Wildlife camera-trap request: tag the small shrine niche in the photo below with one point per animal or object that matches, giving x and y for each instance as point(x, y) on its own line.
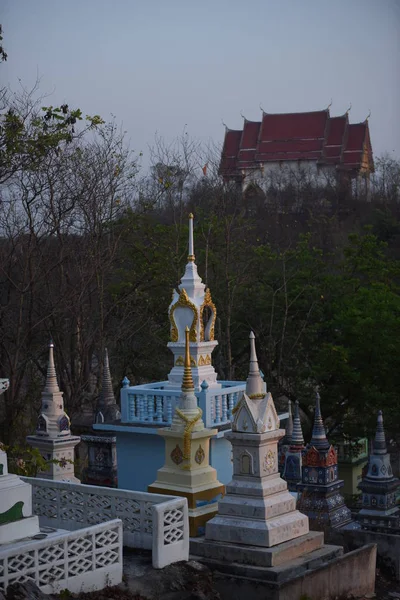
point(99, 417)
point(41, 426)
point(246, 464)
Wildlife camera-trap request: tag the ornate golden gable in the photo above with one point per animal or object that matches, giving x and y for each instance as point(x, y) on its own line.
point(207, 302)
point(184, 301)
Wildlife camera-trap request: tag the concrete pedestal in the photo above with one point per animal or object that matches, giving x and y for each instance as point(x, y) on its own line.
point(59, 449)
point(192, 478)
point(16, 519)
point(24, 528)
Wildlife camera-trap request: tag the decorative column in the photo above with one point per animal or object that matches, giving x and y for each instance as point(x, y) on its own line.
point(187, 471)
point(16, 519)
point(321, 498)
point(379, 511)
point(257, 509)
point(102, 449)
point(53, 436)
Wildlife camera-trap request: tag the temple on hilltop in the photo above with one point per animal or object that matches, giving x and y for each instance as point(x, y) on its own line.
point(147, 408)
point(327, 146)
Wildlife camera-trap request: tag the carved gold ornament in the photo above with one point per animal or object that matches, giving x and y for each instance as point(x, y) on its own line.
point(177, 455)
point(180, 362)
point(200, 455)
point(207, 302)
point(190, 423)
point(204, 360)
point(269, 461)
point(184, 301)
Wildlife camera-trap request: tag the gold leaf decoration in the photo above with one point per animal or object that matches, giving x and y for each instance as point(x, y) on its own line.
point(190, 423)
point(184, 301)
point(207, 302)
point(200, 455)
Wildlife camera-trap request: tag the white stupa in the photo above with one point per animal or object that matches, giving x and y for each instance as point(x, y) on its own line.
point(16, 519)
point(53, 436)
point(192, 307)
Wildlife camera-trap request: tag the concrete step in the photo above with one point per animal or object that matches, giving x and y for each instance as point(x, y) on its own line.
point(257, 556)
point(278, 574)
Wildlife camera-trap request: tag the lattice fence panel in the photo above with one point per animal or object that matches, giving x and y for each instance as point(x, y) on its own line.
point(173, 526)
point(148, 517)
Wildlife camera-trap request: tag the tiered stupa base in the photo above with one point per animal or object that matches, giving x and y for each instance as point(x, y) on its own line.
point(282, 555)
point(198, 484)
point(324, 506)
point(264, 516)
point(62, 451)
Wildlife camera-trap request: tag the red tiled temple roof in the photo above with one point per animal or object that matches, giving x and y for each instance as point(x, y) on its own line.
point(314, 136)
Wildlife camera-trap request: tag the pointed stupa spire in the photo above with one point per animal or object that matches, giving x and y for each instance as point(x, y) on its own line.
point(51, 385)
point(254, 383)
point(187, 381)
point(289, 425)
point(297, 433)
point(191, 256)
point(106, 409)
point(318, 439)
point(380, 441)
point(191, 282)
point(107, 393)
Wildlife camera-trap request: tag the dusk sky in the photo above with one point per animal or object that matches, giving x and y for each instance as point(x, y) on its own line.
point(158, 65)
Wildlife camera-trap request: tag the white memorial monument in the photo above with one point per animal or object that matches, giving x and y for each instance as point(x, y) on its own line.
point(16, 519)
point(53, 436)
point(258, 509)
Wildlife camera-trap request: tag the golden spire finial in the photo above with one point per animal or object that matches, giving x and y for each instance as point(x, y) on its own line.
point(187, 381)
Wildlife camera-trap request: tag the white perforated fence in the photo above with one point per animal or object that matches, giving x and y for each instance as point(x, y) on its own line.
point(72, 506)
point(84, 560)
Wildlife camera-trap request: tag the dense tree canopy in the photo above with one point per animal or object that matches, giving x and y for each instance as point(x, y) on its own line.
point(90, 251)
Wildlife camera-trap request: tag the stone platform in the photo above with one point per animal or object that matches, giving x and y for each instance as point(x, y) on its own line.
point(257, 556)
point(275, 574)
point(323, 572)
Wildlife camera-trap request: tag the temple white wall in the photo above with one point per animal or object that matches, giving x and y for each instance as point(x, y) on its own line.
point(280, 174)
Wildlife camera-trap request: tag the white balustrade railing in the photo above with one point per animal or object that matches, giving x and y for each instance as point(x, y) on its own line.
point(150, 521)
point(81, 561)
point(153, 404)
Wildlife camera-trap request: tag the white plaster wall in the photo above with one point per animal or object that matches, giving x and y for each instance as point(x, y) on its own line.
point(281, 174)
